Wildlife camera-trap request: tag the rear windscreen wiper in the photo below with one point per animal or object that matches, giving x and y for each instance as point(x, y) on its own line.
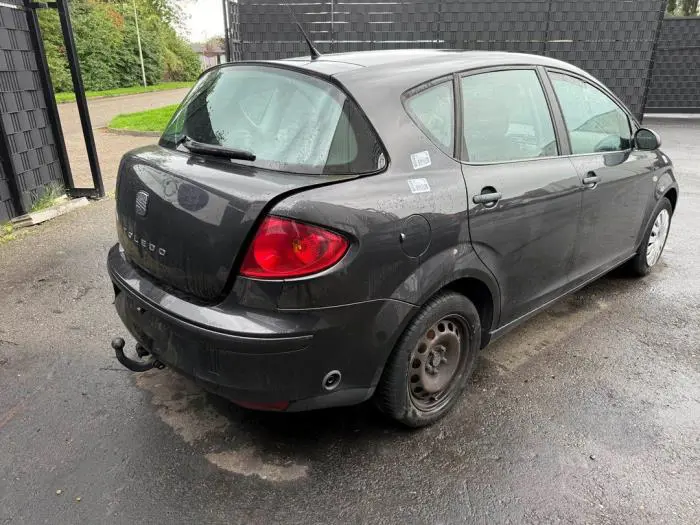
point(214, 150)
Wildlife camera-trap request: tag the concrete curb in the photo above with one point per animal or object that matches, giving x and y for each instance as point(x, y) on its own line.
point(37, 217)
point(102, 97)
point(132, 133)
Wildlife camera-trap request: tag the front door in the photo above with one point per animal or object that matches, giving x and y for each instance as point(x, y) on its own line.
point(524, 199)
point(616, 179)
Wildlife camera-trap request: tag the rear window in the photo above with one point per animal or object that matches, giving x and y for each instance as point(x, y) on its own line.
point(291, 121)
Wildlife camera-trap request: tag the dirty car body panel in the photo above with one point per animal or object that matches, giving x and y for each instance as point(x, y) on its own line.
point(409, 220)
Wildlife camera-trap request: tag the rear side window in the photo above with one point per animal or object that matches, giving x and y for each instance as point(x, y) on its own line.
point(432, 110)
point(506, 117)
point(594, 121)
point(291, 121)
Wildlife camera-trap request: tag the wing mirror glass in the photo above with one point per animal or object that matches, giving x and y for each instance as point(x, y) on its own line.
point(647, 140)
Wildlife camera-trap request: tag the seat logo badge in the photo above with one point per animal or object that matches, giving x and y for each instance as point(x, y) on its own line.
point(141, 203)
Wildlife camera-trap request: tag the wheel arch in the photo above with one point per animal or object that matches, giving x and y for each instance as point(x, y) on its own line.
point(477, 285)
point(481, 296)
point(672, 195)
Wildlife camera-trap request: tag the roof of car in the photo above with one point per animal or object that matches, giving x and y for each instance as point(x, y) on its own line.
point(415, 63)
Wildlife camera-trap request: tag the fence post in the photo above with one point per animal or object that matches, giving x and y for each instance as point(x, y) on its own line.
point(332, 26)
point(227, 31)
point(545, 44)
point(647, 86)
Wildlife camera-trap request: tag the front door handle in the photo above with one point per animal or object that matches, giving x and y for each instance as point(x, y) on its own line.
point(488, 199)
point(591, 180)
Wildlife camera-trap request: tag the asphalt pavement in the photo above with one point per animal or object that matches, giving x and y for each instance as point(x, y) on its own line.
point(589, 413)
point(110, 146)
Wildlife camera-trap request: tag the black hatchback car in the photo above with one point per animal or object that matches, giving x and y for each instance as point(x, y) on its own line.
point(315, 233)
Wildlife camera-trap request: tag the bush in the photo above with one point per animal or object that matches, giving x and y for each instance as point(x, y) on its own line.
point(58, 69)
point(55, 52)
point(181, 64)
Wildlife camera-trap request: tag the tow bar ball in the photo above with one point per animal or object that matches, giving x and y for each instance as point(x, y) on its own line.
point(133, 364)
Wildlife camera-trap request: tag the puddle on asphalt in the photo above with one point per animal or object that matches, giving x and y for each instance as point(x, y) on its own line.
point(182, 405)
point(185, 408)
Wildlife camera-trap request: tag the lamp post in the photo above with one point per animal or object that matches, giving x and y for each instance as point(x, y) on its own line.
point(138, 39)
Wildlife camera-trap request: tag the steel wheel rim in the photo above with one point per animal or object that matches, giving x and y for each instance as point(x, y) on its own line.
point(657, 237)
point(435, 363)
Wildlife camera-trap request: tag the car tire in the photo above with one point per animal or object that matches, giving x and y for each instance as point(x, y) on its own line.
point(646, 258)
point(432, 361)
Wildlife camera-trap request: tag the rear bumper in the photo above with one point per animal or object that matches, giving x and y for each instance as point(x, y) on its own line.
point(260, 356)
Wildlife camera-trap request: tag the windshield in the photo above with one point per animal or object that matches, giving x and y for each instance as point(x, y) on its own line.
point(290, 121)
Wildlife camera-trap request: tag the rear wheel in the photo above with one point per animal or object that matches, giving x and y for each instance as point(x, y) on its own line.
point(431, 364)
point(654, 240)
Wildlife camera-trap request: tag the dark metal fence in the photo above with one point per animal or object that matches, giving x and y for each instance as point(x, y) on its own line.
point(612, 40)
point(29, 153)
point(33, 153)
point(675, 84)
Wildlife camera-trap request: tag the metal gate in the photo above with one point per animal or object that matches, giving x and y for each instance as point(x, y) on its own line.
point(32, 152)
point(613, 40)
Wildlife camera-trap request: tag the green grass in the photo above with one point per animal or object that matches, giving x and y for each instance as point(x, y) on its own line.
point(7, 232)
point(70, 97)
point(48, 198)
point(150, 120)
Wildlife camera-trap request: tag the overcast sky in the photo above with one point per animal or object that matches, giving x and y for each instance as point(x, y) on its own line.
point(205, 19)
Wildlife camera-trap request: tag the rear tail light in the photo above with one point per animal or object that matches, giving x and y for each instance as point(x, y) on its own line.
point(283, 248)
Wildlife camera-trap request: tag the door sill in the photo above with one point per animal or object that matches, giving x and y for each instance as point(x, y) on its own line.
point(499, 332)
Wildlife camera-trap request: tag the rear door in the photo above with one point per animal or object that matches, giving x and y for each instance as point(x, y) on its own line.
point(616, 180)
point(524, 199)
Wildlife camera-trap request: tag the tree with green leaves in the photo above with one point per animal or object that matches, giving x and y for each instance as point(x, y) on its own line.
point(689, 7)
point(683, 7)
point(105, 36)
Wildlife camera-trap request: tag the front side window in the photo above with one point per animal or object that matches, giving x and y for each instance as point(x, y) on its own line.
point(506, 117)
point(595, 123)
point(433, 111)
point(290, 121)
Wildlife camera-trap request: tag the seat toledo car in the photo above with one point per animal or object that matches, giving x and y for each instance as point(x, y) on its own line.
point(317, 232)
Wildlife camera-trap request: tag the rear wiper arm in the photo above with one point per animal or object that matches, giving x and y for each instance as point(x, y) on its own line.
point(214, 150)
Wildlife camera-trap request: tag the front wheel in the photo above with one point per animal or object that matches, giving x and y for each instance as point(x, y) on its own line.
point(430, 366)
point(654, 240)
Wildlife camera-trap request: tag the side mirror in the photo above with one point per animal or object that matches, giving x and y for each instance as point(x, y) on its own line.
point(647, 140)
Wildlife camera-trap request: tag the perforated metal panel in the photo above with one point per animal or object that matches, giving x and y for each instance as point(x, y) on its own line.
point(612, 40)
point(234, 33)
point(7, 209)
point(675, 82)
point(24, 116)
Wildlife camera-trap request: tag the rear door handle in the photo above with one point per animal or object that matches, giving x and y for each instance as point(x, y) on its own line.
point(591, 180)
point(487, 198)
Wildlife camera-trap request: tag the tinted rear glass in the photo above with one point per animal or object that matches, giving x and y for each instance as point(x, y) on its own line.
point(291, 121)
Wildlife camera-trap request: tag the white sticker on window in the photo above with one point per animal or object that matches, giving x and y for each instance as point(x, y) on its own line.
point(418, 185)
point(420, 160)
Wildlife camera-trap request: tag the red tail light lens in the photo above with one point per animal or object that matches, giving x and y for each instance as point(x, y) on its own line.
point(283, 248)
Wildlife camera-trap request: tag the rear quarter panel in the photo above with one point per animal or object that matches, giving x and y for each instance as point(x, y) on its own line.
point(376, 210)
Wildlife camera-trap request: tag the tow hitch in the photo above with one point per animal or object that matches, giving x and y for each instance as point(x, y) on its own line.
point(132, 364)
